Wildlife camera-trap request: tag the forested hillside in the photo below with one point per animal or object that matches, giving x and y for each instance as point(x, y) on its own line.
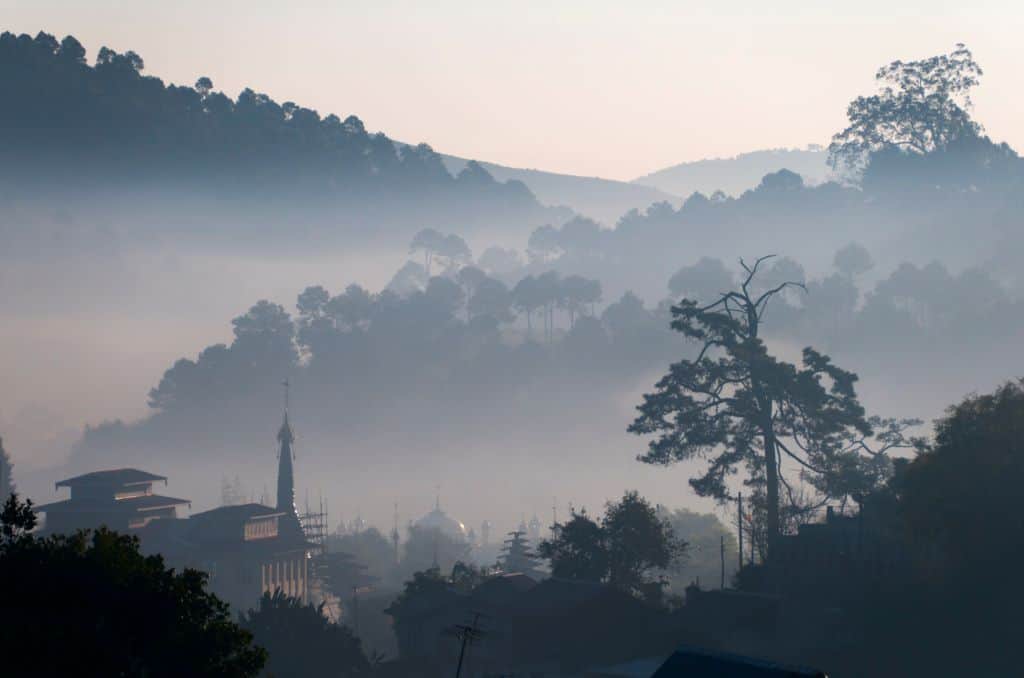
point(79, 133)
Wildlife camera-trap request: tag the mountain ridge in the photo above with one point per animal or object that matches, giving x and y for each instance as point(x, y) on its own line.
point(733, 175)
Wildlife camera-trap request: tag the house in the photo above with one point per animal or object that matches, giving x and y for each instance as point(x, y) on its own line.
point(120, 499)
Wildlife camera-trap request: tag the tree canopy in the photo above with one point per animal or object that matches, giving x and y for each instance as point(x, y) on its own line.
point(91, 601)
point(922, 106)
point(517, 556)
point(301, 640)
point(737, 405)
point(107, 126)
point(626, 549)
point(962, 490)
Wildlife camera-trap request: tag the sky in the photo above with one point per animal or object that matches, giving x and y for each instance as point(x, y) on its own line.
point(595, 88)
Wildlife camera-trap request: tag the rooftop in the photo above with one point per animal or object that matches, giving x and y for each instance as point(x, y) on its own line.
point(115, 477)
point(237, 513)
point(147, 502)
point(228, 525)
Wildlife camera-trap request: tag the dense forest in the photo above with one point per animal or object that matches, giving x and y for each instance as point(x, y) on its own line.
point(531, 359)
point(226, 159)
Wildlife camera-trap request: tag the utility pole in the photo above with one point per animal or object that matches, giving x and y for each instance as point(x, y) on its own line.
point(355, 610)
point(468, 634)
point(739, 527)
point(722, 552)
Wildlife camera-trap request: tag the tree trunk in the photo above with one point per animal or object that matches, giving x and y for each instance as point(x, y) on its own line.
point(771, 473)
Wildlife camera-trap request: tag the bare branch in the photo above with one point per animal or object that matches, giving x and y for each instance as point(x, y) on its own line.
point(796, 458)
point(762, 301)
point(752, 272)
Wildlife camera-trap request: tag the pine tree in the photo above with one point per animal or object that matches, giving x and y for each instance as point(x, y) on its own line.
point(516, 556)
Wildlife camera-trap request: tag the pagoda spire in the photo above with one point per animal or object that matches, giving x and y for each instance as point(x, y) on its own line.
point(285, 470)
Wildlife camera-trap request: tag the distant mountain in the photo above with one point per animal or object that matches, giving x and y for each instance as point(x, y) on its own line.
point(740, 173)
point(604, 200)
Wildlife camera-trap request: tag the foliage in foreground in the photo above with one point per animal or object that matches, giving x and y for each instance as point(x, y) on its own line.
point(302, 641)
point(91, 603)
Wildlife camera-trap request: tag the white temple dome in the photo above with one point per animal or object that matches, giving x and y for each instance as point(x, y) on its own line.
point(443, 523)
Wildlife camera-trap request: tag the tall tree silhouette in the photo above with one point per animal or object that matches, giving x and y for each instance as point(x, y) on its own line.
point(517, 556)
point(922, 106)
point(735, 404)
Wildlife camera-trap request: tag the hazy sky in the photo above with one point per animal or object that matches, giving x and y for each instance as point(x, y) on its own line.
point(614, 89)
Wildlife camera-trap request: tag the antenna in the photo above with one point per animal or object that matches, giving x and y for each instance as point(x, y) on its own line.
point(286, 386)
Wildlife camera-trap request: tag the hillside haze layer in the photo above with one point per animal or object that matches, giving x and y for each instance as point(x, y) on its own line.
point(602, 199)
point(740, 173)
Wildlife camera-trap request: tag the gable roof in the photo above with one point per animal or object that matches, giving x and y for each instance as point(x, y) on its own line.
point(236, 513)
point(117, 476)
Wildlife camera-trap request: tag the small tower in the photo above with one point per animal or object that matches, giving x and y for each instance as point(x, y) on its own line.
point(285, 470)
point(394, 534)
point(534, 528)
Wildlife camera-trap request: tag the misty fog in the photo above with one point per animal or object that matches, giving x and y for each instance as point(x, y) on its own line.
point(118, 265)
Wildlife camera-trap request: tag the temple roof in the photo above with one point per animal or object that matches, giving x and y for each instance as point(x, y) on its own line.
point(226, 524)
point(147, 502)
point(238, 512)
point(118, 477)
point(442, 522)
